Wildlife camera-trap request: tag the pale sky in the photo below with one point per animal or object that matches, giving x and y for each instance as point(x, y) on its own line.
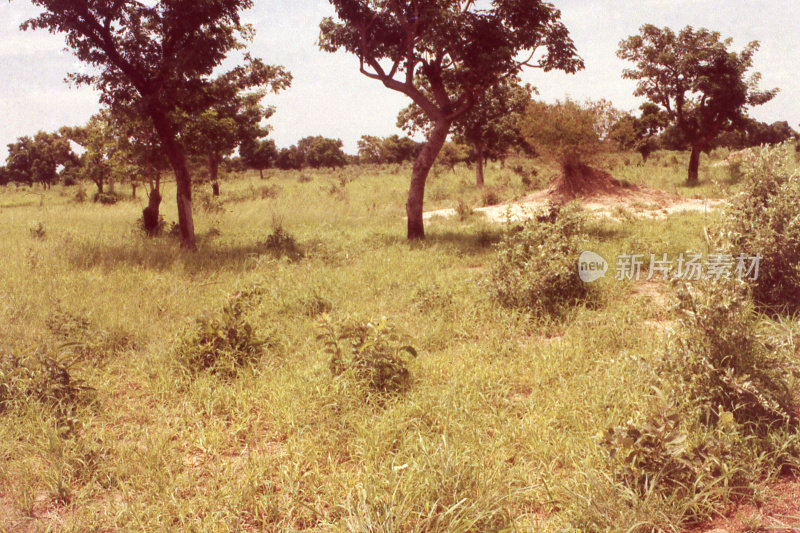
point(330, 97)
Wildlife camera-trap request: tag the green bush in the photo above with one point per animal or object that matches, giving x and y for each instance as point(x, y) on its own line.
point(106, 198)
point(727, 415)
point(763, 219)
point(536, 266)
point(281, 244)
point(373, 354)
point(720, 363)
point(222, 344)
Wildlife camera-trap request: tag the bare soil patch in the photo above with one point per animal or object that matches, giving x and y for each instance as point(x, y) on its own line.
point(600, 194)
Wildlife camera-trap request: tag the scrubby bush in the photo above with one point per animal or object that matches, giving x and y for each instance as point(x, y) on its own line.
point(372, 353)
point(536, 265)
point(106, 198)
point(719, 362)
point(763, 220)
point(44, 378)
point(723, 412)
point(224, 343)
point(37, 230)
point(281, 244)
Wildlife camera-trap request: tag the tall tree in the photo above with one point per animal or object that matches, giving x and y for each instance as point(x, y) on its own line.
point(697, 80)
point(157, 55)
point(490, 128)
point(443, 54)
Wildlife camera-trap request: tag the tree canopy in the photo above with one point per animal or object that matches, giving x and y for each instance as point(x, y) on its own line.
point(443, 54)
point(157, 56)
point(694, 77)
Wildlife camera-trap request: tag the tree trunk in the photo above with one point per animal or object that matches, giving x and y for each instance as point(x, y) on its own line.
point(694, 165)
point(261, 172)
point(150, 214)
point(177, 160)
point(133, 190)
point(419, 175)
point(479, 165)
point(99, 184)
point(213, 173)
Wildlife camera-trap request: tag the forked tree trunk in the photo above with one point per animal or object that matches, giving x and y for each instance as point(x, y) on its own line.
point(694, 165)
point(177, 160)
point(419, 175)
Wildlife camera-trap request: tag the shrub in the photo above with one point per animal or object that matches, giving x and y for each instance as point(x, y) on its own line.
point(269, 192)
point(726, 416)
point(490, 197)
point(224, 343)
point(37, 230)
point(106, 198)
point(373, 354)
point(46, 379)
point(464, 210)
point(80, 195)
point(281, 244)
point(211, 204)
point(536, 266)
point(719, 362)
point(763, 220)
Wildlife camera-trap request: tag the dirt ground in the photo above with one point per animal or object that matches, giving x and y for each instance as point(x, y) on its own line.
point(780, 512)
point(618, 204)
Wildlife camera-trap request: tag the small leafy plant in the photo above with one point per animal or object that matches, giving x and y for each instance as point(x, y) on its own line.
point(372, 353)
point(281, 244)
point(224, 343)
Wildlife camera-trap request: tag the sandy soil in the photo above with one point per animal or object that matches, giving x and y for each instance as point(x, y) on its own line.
point(619, 205)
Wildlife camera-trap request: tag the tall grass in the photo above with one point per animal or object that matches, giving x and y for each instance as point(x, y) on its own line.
point(497, 428)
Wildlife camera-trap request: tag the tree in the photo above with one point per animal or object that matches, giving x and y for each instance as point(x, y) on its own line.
point(639, 133)
point(490, 128)
point(700, 84)
point(37, 159)
point(236, 115)
point(392, 149)
point(320, 151)
point(443, 54)
point(572, 133)
point(156, 56)
point(258, 153)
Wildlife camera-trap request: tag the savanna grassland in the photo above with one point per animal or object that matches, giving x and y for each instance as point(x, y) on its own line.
point(107, 425)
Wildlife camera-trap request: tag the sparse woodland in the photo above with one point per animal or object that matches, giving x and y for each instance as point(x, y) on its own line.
point(203, 331)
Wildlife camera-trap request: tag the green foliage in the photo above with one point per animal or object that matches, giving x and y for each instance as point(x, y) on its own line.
point(536, 267)
point(567, 130)
point(106, 198)
point(371, 353)
point(721, 364)
point(45, 379)
point(224, 343)
point(762, 220)
point(281, 244)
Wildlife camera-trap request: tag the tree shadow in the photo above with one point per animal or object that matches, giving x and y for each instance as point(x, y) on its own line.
point(162, 254)
point(461, 242)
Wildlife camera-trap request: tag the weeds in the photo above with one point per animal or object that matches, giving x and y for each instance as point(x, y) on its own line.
point(222, 344)
point(536, 267)
point(373, 354)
